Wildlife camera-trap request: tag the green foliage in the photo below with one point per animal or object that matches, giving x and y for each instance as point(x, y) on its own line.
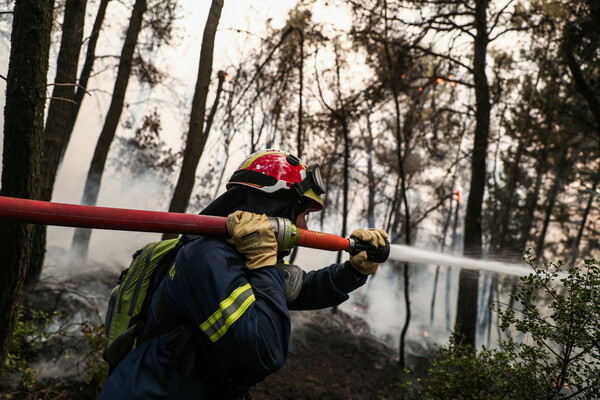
point(562, 326)
point(559, 356)
point(30, 330)
point(96, 366)
point(459, 372)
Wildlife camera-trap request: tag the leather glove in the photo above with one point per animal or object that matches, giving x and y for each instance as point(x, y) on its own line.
point(374, 237)
point(252, 235)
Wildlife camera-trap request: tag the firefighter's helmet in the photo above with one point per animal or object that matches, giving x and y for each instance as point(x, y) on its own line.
point(274, 170)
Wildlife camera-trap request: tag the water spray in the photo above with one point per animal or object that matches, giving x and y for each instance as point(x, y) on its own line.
point(411, 254)
point(288, 235)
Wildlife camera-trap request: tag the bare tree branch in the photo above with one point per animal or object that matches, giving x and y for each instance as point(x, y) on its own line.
point(444, 56)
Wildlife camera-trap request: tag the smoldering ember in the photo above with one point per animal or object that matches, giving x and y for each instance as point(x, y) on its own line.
point(428, 172)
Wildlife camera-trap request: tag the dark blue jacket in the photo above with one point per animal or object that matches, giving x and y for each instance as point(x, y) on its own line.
point(243, 318)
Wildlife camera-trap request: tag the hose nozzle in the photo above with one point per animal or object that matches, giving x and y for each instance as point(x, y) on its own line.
point(377, 254)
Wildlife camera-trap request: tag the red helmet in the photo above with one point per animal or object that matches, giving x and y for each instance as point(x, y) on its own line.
point(273, 170)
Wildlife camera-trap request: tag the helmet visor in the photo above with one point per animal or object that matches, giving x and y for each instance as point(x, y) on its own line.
point(314, 174)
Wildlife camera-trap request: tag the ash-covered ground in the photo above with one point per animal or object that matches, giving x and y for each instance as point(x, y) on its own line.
point(333, 356)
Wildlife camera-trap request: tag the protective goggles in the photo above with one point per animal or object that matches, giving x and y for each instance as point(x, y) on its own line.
point(313, 180)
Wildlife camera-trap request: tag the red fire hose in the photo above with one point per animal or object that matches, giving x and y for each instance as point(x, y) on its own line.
point(60, 214)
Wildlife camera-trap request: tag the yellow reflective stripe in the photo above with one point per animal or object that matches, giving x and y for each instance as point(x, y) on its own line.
point(249, 161)
point(253, 158)
point(232, 318)
point(230, 310)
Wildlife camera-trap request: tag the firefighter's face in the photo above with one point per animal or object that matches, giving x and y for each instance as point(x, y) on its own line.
point(301, 220)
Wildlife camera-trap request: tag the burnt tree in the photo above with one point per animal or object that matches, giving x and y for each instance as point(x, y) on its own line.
point(81, 238)
point(61, 105)
point(84, 76)
point(197, 135)
point(23, 134)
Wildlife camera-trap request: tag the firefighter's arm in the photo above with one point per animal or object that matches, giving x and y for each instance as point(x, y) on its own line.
point(255, 327)
point(330, 286)
point(241, 311)
point(326, 287)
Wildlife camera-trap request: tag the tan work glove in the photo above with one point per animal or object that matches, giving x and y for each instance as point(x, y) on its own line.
point(252, 235)
point(374, 237)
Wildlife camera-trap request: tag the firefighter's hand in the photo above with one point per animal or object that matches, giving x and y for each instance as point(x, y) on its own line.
point(252, 235)
point(375, 238)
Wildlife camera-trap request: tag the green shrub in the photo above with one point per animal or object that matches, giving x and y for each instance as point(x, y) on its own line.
point(558, 315)
point(459, 372)
point(30, 330)
point(97, 368)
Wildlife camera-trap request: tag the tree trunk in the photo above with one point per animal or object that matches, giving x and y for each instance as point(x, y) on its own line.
point(345, 186)
point(81, 238)
point(454, 243)
point(197, 136)
point(59, 109)
point(466, 317)
point(84, 76)
point(584, 218)
point(437, 267)
point(342, 116)
point(569, 42)
point(534, 196)
point(402, 176)
point(300, 138)
point(370, 174)
point(506, 205)
point(23, 136)
point(551, 201)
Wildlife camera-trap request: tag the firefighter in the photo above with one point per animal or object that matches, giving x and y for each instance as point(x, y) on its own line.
point(232, 296)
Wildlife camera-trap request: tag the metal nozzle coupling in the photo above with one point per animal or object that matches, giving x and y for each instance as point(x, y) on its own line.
point(286, 233)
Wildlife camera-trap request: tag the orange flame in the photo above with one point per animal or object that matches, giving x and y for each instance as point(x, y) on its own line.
point(456, 195)
point(555, 383)
point(439, 81)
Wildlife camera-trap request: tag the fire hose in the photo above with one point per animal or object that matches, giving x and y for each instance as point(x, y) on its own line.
point(60, 214)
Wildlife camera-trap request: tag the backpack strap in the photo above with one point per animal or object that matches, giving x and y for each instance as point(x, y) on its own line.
point(177, 333)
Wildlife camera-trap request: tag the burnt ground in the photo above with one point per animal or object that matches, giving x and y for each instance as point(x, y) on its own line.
point(332, 355)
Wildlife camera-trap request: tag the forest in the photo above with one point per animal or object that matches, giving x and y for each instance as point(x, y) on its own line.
point(468, 127)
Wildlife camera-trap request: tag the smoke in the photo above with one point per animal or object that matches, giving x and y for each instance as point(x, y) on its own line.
point(147, 191)
point(380, 302)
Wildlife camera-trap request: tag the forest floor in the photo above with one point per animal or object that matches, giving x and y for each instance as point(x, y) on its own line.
point(332, 355)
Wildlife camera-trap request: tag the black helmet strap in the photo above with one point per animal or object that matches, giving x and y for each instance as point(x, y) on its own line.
point(249, 176)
